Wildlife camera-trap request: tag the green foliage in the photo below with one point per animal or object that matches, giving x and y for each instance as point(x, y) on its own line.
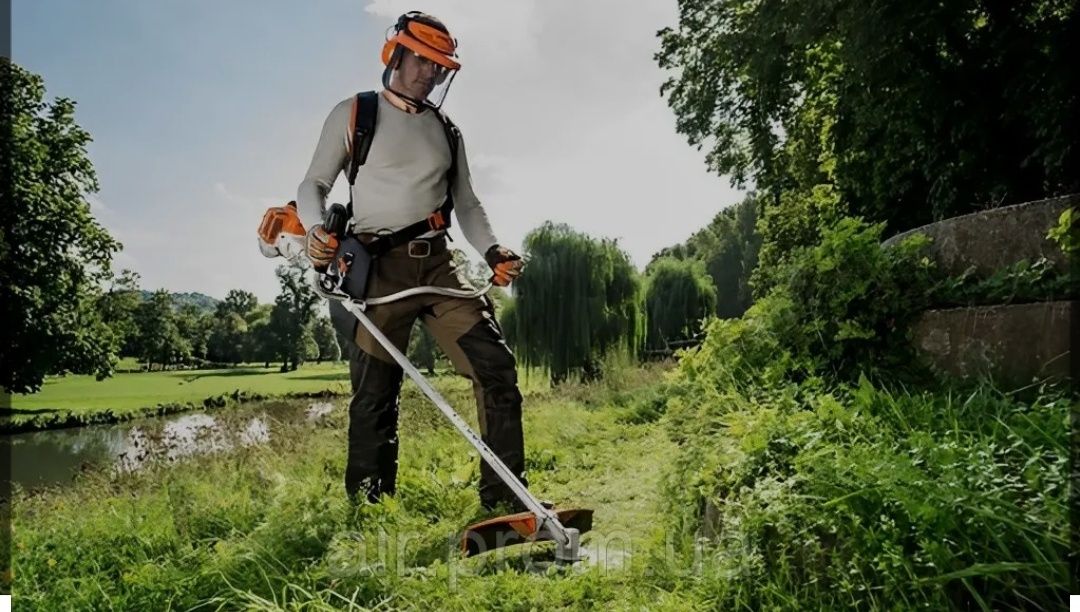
point(793, 223)
point(237, 301)
point(811, 485)
point(56, 255)
point(839, 308)
point(578, 299)
point(294, 310)
point(679, 295)
point(194, 325)
point(233, 338)
point(202, 302)
point(228, 339)
point(309, 348)
point(260, 343)
point(912, 111)
point(423, 350)
point(118, 305)
point(326, 339)
point(1022, 282)
point(728, 247)
point(159, 338)
point(1064, 234)
point(861, 497)
point(853, 300)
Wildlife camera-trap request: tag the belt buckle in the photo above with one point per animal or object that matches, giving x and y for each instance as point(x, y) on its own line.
point(416, 251)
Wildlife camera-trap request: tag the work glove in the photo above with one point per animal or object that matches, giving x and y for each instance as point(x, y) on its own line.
point(321, 247)
point(505, 263)
point(280, 233)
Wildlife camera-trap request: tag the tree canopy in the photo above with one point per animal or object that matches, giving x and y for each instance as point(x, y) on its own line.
point(908, 111)
point(56, 255)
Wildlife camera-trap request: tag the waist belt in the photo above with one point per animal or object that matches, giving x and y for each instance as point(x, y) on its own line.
point(379, 245)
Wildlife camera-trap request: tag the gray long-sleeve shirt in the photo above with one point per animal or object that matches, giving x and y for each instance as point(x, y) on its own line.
point(403, 179)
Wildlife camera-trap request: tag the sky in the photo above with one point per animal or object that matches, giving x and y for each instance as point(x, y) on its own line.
point(206, 112)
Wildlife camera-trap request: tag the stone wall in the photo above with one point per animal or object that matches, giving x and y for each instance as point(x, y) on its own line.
point(995, 238)
point(1014, 343)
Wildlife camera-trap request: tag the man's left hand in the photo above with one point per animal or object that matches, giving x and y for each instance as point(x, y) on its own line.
point(505, 263)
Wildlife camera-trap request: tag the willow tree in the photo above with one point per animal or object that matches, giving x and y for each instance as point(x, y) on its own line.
point(678, 295)
point(579, 299)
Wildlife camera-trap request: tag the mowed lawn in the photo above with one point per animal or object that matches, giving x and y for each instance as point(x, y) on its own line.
point(133, 391)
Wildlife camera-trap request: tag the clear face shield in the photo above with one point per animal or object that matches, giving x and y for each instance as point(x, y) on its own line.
point(418, 79)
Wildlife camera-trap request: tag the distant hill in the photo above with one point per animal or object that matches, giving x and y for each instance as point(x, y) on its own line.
point(201, 301)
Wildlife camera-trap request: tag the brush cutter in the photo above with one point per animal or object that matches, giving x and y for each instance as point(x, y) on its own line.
point(345, 279)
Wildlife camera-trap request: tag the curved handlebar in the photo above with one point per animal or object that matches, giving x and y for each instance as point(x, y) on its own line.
point(400, 295)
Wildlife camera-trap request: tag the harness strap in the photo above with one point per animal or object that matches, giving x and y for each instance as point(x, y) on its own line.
point(365, 109)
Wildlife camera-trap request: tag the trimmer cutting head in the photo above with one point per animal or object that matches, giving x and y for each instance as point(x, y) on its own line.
point(524, 527)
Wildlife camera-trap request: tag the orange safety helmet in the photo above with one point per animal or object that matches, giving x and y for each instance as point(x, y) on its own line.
point(426, 37)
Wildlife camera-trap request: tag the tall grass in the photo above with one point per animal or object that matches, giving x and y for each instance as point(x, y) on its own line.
point(864, 497)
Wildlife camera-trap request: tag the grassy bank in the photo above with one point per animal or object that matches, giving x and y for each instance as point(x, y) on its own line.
point(134, 391)
point(267, 527)
point(72, 401)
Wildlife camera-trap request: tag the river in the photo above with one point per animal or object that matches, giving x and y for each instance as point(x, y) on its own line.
point(54, 457)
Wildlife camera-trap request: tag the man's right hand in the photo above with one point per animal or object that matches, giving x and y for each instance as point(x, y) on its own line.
point(321, 246)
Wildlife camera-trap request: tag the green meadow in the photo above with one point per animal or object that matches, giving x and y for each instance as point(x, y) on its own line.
point(126, 392)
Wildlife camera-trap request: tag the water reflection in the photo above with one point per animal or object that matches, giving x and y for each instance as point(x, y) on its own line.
point(54, 457)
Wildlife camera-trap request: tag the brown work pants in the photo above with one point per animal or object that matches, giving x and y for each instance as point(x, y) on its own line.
point(468, 333)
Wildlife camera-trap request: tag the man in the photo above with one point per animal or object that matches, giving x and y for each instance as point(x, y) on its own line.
point(409, 173)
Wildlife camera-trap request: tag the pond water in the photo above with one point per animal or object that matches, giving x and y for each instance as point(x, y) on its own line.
point(54, 457)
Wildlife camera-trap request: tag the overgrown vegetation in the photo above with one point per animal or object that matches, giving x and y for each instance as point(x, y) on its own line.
point(839, 308)
point(821, 482)
point(855, 496)
point(1023, 282)
point(1064, 234)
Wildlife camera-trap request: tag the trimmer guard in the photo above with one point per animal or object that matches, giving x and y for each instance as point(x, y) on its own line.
point(518, 528)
